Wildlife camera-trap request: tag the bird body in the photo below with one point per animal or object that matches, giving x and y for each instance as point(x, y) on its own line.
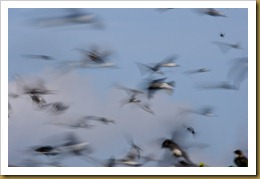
point(240, 159)
point(213, 12)
point(176, 150)
point(160, 84)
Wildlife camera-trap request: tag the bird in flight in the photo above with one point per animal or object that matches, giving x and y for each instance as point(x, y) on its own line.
point(212, 12)
point(176, 151)
point(75, 16)
point(159, 84)
point(156, 67)
point(225, 47)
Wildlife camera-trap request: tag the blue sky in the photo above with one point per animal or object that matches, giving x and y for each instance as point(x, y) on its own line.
point(133, 35)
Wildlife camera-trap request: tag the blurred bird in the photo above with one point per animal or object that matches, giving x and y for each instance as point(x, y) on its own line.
point(206, 111)
point(38, 100)
point(38, 87)
point(190, 129)
point(212, 12)
point(176, 150)
point(56, 107)
point(111, 162)
point(75, 124)
point(47, 150)
point(145, 107)
point(95, 55)
point(240, 159)
point(131, 92)
point(238, 71)
point(201, 70)
point(133, 99)
point(74, 17)
point(156, 68)
point(104, 120)
point(222, 35)
point(219, 85)
point(159, 84)
point(72, 145)
point(225, 47)
point(132, 158)
point(39, 57)
point(94, 58)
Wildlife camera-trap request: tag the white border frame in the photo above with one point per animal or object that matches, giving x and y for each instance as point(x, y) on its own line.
point(251, 170)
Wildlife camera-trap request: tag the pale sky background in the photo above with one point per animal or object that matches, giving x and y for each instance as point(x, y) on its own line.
point(133, 35)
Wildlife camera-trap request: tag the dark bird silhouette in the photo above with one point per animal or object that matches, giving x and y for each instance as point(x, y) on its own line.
point(37, 87)
point(47, 150)
point(222, 35)
point(93, 58)
point(71, 145)
point(212, 12)
point(190, 129)
point(38, 100)
point(240, 159)
point(159, 84)
point(95, 55)
point(176, 150)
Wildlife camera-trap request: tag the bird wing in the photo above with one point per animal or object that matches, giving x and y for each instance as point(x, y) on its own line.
point(224, 47)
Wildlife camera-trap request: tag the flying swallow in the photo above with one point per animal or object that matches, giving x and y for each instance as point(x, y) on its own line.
point(132, 157)
point(159, 84)
point(72, 145)
point(56, 107)
point(156, 68)
point(212, 12)
point(176, 150)
point(37, 99)
point(190, 129)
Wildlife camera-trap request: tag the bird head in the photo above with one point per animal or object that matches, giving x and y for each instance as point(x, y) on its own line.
point(238, 152)
point(166, 144)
